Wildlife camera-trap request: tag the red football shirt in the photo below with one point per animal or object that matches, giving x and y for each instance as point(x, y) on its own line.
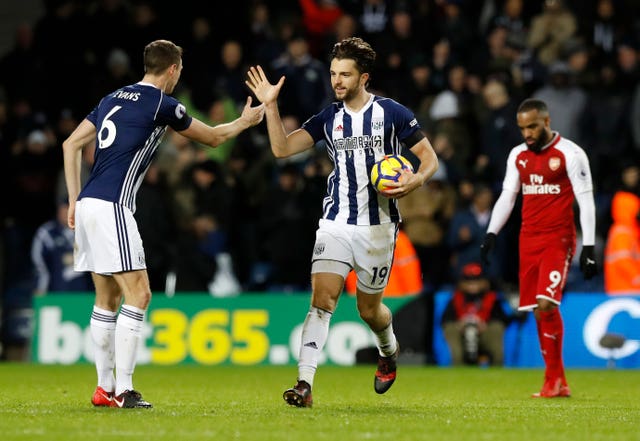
point(548, 181)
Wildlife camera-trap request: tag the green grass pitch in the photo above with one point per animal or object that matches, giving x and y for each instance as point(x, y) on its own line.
point(245, 403)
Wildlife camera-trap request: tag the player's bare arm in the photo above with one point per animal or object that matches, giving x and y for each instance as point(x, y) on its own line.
point(282, 145)
point(214, 136)
point(72, 153)
point(412, 180)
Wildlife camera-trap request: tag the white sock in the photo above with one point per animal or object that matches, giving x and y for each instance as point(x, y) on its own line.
point(386, 341)
point(314, 335)
point(103, 330)
point(128, 331)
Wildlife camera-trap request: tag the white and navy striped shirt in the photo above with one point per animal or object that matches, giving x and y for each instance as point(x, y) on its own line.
point(130, 123)
point(355, 141)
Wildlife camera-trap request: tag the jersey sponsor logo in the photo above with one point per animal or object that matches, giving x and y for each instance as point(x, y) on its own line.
point(413, 123)
point(537, 186)
point(358, 142)
point(180, 111)
point(523, 162)
point(554, 163)
point(318, 249)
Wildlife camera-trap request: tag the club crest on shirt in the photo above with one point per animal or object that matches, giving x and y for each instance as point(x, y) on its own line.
point(554, 163)
point(318, 249)
point(377, 123)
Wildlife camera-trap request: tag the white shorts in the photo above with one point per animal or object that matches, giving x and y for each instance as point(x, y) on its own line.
point(107, 238)
point(368, 249)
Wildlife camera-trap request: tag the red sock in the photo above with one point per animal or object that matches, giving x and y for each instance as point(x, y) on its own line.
point(550, 334)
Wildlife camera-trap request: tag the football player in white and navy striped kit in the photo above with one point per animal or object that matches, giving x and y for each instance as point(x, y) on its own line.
point(127, 126)
point(359, 225)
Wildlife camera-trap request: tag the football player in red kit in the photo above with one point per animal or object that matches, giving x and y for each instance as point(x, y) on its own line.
point(551, 172)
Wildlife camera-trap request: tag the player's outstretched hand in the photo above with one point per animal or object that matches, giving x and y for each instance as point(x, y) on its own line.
point(588, 264)
point(488, 244)
point(253, 115)
point(257, 81)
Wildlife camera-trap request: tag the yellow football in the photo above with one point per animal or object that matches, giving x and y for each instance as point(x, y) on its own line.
point(383, 171)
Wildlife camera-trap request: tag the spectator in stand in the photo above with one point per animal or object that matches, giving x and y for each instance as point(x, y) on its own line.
point(57, 44)
point(318, 19)
point(231, 72)
point(156, 224)
point(466, 233)
point(201, 45)
point(447, 119)
point(20, 67)
point(440, 62)
point(550, 30)
point(52, 256)
point(307, 77)
point(417, 91)
point(345, 26)
point(634, 120)
point(565, 100)
point(287, 230)
point(426, 214)
point(605, 124)
point(398, 48)
point(499, 133)
point(474, 320)
point(491, 57)
point(581, 64)
point(511, 17)
point(203, 207)
point(374, 18)
point(144, 26)
point(455, 27)
point(528, 74)
point(117, 74)
point(611, 22)
point(628, 63)
point(622, 250)
point(262, 45)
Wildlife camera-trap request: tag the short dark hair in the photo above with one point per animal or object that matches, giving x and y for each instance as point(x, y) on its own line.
point(159, 55)
point(533, 104)
point(356, 49)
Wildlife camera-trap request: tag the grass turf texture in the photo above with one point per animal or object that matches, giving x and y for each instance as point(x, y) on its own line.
point(245, 403)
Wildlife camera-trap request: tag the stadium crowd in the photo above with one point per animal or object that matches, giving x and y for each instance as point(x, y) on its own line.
point(235, 219)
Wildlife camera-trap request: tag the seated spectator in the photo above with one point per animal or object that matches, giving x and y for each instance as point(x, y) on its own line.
point(466, 233)
point(52, 256)
point(474, 320)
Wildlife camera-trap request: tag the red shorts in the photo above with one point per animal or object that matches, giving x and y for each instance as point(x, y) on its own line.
point(544, 263)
